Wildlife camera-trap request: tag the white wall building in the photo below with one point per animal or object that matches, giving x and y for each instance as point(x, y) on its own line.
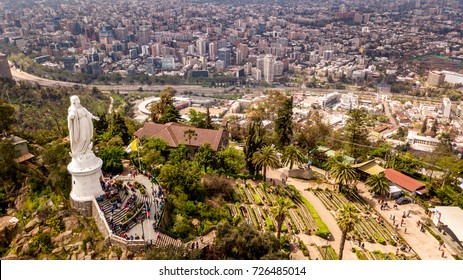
point(349, 101)
point(446, 107)
point(452, 77)
point(269, 64)
point(167, 63)
point(421, 143)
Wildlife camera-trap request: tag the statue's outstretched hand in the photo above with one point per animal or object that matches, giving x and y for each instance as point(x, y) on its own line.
point(96, 118)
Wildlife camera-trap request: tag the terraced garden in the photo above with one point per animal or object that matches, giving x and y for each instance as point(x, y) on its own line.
point(255, 204)
point(369, 228)
point(378, 255)
point(327, 252)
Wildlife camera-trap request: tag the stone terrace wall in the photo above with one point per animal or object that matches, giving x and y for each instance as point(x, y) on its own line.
point(114, 240)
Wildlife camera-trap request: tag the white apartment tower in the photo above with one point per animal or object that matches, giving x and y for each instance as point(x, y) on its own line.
point(201, 47)
point(269, 64)
point(446, 107)
point(213, 50)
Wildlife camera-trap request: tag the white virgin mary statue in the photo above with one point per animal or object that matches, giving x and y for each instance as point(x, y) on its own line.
point(80, 128)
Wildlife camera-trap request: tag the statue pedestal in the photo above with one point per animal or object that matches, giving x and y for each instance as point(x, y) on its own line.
point(86, 172)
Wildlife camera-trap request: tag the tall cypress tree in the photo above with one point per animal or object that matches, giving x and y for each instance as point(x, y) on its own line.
point(164, 110)
point(284, 123)
point(356, 131)
point(117, 126)
point(208, 119)
point(254, 142)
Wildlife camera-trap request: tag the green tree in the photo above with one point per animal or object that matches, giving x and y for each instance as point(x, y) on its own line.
point(205, 156)
point(424, 126)
point(208, 121)
point(190, 134)
point(112, 159)
point(280, 211)
point(197, 119)
point(292, 155)
point(118, 127)
point(314, 132)
point(343, 173)
point(101, 125)
point(7, 118)
point(356, 132)
point(164, 111)
point(266, 157)
point(254, 142)
point(179, 155)
point(284, 123)
point(154, 151)
point(183, 177)
point(231, 161)
point(378, 184)
point(346, 218)
point(245, 242)
point(55, 157)
point(9, 170)
point(400, 132)
point(434, 128)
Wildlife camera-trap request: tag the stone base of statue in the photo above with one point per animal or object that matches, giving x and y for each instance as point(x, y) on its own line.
point(86, 172)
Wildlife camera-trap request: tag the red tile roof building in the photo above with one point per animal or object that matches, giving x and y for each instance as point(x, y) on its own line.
point(403, 181)
point(174, 135)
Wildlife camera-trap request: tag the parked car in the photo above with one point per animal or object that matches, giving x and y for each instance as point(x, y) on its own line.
point(403, 200)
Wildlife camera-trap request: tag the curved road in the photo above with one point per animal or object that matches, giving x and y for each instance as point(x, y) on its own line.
point(20, 75)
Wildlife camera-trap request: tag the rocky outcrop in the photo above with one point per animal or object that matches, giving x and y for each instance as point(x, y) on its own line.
point(30, 225)
point(70, 223)
point(8, 228)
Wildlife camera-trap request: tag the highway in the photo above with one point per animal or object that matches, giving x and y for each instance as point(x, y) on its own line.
point(19, 75)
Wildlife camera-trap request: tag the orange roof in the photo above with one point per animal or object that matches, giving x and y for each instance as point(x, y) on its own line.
point(173, 134)
point(403, 180)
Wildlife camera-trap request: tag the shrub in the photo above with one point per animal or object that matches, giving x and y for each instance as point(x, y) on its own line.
point(304, 249)
point(42, 242)
point(234, 196)
point(56, 224)
point(360, 255)
point(380, 240)
point(284, 243)
point(270, 225)
point(257, 199)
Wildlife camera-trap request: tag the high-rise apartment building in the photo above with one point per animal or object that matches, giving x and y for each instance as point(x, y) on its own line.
point(224, 55)
point(238, 57)
point(201, 47)
point(446, 107)
point(269, 63)
point(213, 50)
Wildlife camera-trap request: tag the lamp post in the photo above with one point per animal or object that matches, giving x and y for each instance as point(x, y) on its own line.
point(326, 248)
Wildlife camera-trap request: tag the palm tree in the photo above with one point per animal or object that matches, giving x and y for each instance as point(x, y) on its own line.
point(344, 173)
point(292, 155)
point(266, 157)
point(347, 217)
point(280, 211)
point(379, 184)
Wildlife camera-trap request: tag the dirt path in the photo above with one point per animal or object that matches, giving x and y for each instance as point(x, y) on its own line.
point(110, 109)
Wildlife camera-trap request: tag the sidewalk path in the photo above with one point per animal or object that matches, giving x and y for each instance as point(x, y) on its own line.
point(324, 214)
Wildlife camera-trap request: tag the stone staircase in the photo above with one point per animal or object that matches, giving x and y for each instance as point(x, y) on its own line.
point(119, 214)
point(163, 240)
